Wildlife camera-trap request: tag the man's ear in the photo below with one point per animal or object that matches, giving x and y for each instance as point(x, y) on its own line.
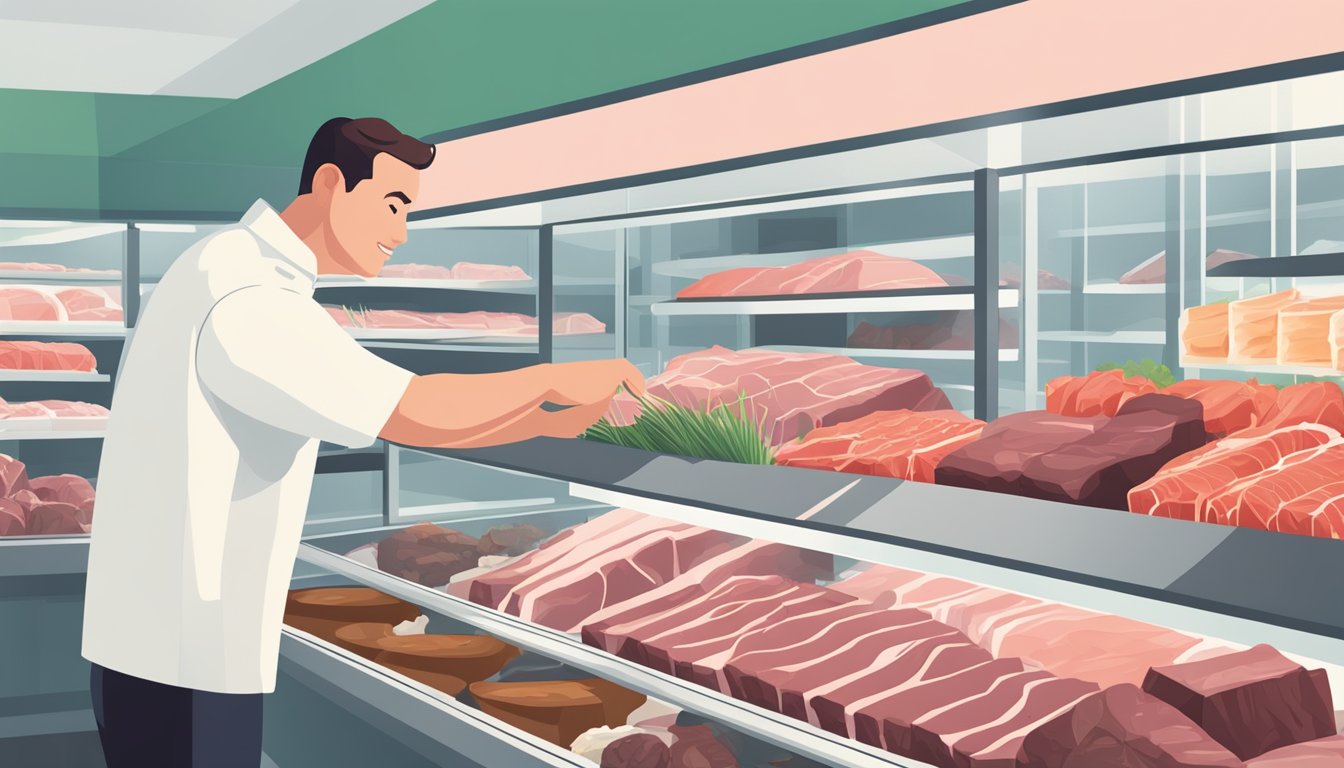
point(329, 178)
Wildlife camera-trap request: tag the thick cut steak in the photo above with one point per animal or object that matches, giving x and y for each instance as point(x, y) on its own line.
point(790, 392)
point(903, 444)
point(1100, 469)
point(1251, 701)
point(1123, 726)
point(995, 461)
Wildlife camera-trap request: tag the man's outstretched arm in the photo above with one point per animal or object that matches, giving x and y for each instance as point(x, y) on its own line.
point(475, 410)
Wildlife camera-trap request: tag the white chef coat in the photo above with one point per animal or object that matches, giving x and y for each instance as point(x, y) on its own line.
point(233, 376)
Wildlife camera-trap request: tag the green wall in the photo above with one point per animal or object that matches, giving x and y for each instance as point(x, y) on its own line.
point(452, 64)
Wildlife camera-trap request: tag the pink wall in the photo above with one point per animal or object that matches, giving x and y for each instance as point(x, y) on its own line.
point(1033, 53)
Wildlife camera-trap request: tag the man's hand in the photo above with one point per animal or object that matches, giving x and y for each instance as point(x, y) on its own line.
point(593, 381)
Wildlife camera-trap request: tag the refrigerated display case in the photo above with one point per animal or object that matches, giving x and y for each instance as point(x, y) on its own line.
point(1150, 592)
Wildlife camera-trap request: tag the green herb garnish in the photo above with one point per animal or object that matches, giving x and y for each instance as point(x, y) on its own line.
point(1155, 372)
point(719, 433)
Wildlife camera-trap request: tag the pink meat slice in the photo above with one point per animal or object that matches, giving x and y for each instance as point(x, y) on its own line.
point(28, 304)
point(902, 444)
point(846, 272)
point(790, 392)
point(1181, 488)
point(1299, 494)
point(1067, 641)
point(732, 607)
point(998, 744)
point(89, 304)
point(466, 270)
point(757, 558)
point(888, 721)
point(45, 355)
point(417, 271)
point(833, 705)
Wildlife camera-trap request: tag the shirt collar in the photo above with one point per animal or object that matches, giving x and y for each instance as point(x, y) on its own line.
point(267, 225)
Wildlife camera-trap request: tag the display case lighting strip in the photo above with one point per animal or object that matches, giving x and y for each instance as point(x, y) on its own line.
point(777, 729)
point(1193, 620)
point(166, 227)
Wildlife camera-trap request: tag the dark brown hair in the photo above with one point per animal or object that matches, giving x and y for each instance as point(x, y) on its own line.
point(351, 146)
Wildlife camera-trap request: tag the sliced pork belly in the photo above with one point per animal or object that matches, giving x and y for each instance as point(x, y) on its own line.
point(1259, 500)
point(888, 722)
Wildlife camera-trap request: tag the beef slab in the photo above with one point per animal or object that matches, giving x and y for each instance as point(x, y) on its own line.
point(791, 392)
point(1251, 701)
point(995, 461)
point(427, 554)
point(1122, 725)
point(1100, 469)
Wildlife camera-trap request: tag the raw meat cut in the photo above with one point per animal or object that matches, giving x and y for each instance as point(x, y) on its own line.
point(1321, 753)
point(1181, 489)
point(995, 461)
point(781, 667)
point(89, 304)
point(463, 270)
point(13, 518)
point(510, 540)
point(1251, 701)
point(1204, 333)
point(557, 711)
point(987, 729)
point(1100, 469)
point(638, 750)
point(841, 273)
point(51, 414)
point(1122, 726)
point(1100, 393)
point(32, 266)
point(13, 476)
point(834, 705)
point(592, 742)
point(1253, 326)
point(957, 332)
point(792, 392)
point(698, 747)
point(903, 444)
point(756, 558)
point(29, 304)
point(47, 518)
point(886, 722)
point(504, 324)
point(1154, 270)
point(1304, 331)
point(1314, 402)
point(675, 640)
point(45, 356)
point(614, 558)
point(1297, 495)
point(1102, 648)
point(443, 661)
point(70, 489)
point(427, 554)
point(1229, 406)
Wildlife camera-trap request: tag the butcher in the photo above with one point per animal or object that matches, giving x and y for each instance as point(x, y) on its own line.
point(231, 378)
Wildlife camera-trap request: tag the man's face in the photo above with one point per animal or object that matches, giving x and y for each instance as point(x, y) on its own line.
point(369, 221)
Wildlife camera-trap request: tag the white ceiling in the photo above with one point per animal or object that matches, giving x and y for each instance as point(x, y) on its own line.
point(221, 48)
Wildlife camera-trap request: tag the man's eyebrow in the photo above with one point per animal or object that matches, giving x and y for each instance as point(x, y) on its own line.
point(400, 195)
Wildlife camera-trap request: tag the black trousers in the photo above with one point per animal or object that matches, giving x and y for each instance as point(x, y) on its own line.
point(143, 724)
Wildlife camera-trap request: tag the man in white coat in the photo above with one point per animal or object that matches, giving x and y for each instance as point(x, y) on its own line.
point(232, 377)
